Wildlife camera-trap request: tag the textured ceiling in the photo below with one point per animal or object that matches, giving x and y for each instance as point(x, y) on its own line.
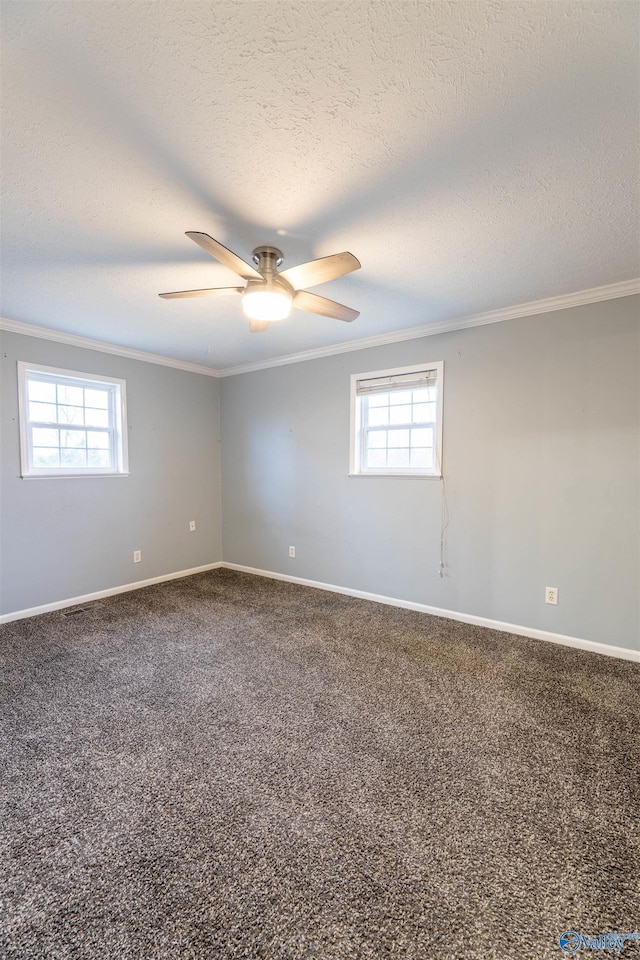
point(471, 155)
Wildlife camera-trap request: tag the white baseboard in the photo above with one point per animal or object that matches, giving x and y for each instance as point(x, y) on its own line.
point(99, 594)
point(593, 646)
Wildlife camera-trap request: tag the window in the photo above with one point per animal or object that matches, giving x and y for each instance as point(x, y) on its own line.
point(396, 422)
point(71, 424)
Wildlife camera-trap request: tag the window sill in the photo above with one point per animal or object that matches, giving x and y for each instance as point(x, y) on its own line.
point(384, 476)
point(70, 476)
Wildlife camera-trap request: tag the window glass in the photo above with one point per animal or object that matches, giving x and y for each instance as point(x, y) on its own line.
point(397, 421)
point(71, 424)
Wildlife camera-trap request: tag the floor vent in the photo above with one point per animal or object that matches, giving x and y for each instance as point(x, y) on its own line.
point(77, 611)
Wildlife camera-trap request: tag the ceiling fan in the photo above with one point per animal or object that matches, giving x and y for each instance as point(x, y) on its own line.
point(269, 294)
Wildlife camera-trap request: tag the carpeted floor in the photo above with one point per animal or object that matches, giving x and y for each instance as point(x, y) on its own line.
point(231, 767)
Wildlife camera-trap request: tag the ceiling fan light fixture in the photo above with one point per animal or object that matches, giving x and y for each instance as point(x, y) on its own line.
point(267, 301)
point(270, 293)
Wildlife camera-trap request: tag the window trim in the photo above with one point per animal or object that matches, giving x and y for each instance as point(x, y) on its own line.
point(118, 399)
point(355, 425)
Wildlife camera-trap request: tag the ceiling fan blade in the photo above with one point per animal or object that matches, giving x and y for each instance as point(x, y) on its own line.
point(211, 292)
point(319, 271)
point(227, 257)
point(326, 308)
point(257, 326)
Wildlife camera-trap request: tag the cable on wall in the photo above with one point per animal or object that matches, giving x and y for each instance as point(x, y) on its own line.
point(444, 523)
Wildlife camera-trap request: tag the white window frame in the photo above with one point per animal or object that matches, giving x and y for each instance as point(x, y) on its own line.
point(356, 445)
point(117, 422)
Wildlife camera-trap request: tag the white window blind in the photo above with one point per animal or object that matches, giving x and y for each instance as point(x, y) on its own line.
point(397, 422)
point(398, 382)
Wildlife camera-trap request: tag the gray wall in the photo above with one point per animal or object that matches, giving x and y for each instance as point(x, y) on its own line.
point(541, 460)
point(63, 538)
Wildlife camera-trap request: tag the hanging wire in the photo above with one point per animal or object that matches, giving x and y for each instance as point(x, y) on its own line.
point(444, 520)
point(444, 523)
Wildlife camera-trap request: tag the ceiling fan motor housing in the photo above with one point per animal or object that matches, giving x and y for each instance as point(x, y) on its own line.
point(268, 299)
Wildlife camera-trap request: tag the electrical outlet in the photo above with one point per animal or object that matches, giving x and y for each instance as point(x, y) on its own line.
point(292, 551)
point(551, 595)
point(137, 556)
point(192, 525)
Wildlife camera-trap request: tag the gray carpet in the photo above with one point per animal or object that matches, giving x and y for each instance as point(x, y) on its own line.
point(230, 767)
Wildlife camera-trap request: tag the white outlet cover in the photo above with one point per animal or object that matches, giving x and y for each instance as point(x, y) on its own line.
point(192, 525)
point(551, 595)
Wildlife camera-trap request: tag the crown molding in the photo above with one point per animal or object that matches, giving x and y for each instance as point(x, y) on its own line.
point(74, 340)
point(611, 291)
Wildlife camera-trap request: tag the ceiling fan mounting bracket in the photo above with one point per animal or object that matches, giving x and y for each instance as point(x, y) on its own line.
point(267, 255)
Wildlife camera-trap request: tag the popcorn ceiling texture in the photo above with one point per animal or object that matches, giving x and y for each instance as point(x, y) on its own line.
point(472, 155)
point(231, 767)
